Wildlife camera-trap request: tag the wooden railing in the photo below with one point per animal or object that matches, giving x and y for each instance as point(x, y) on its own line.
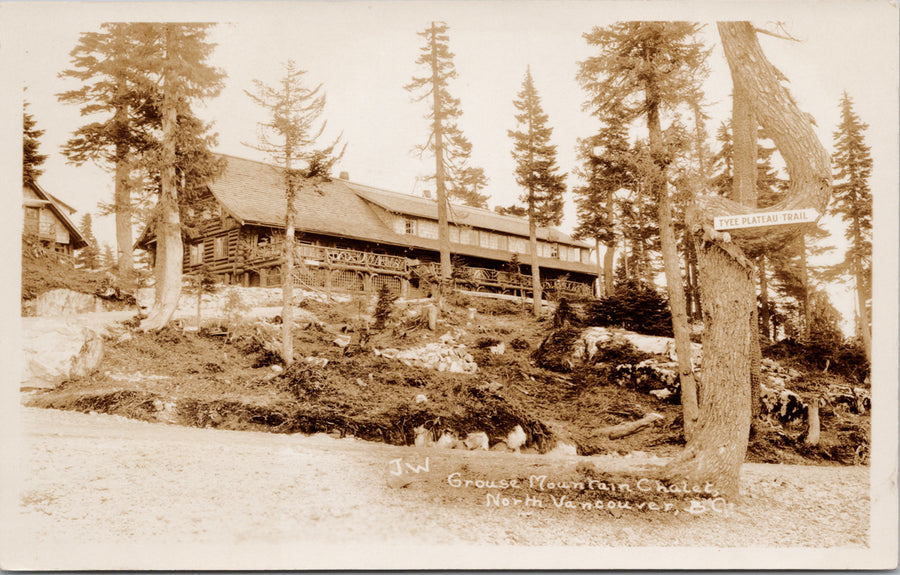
point(335, 257)
point(480, 278)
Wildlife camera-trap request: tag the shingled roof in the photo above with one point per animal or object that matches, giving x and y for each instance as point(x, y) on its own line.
point(251, 192)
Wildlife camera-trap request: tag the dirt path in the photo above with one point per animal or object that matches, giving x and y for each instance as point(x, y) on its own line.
point(104, 482)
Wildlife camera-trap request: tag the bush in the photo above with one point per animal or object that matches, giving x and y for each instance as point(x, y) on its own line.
point(845, 359)
point(635, 307)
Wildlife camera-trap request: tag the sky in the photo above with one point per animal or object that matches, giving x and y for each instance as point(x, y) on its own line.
point(363, 54)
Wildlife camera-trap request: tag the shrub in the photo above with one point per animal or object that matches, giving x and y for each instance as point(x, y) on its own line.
point(384, 306)
point(633, 306)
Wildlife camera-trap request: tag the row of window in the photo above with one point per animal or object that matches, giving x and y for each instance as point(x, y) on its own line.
point(493, 240)
point(196, 251)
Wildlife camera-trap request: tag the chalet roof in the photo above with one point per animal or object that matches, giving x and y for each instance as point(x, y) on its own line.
point(252, 192)
point(458, 214)
point(60, 209)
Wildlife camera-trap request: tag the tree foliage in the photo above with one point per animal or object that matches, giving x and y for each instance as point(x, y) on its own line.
point(454, 174)
point(88, 256)
point(289, 137)
point(635, 306)
point(31, 159)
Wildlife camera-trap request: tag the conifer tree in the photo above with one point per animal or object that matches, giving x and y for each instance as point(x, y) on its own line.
point(31, 159)
point(118, 89)
point(88, 256)
point(537, 172)
point(453, 175)
point(185, 76)
point(645, 69)
point(289, 137)
point(606, 169)
point(852, 165)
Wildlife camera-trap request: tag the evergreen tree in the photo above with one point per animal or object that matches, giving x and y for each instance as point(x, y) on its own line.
point(452, 174)
point(118, 85)
point(289, 137)
point(852, 164)
point(645, 69)
point(107, 256)
point(185, 76)
point(537, 172)
point(606, 169)
point(31, 159)
point(88, 256)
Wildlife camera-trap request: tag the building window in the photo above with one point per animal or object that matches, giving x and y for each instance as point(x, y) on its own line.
point(484, 238)
point(495, 241)
point(410, 226)
point(554, 250)
point(196, 254)
point(454, 234)
point(220, 248)
point(465, 235)
point(428, 229)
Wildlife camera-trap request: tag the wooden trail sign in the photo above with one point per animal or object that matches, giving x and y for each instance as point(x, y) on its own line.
point(759, 219)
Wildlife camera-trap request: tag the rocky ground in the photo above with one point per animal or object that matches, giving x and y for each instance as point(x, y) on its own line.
point(104, 492)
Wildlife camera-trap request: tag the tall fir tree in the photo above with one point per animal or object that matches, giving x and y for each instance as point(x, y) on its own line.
point(118, 88)
point(31, 159)
point(453, 175)
point(185, 77)
point(289, 137)
point(646, 69)
point(852, 165)
point(537, 172)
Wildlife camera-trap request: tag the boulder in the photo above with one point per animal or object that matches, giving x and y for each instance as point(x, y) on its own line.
point(89, 356)
point(477, 441)
point(51, 349)
point(516, 438)
point(563, 449)
point(447, 441)
point(65, 302)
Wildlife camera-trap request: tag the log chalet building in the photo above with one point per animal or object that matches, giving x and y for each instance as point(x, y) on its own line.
point(354, 238)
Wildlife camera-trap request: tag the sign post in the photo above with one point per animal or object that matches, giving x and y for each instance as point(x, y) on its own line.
point(761, 219)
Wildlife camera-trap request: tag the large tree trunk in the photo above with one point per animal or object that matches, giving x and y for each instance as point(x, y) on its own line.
point(744, 192)
point(609, 255)
point(169, 248)
point(287, 271)
point(718, 448)
point(122, 194)
point(535, 268)
point(716, 451)
point(674, 283)
point(440, 184)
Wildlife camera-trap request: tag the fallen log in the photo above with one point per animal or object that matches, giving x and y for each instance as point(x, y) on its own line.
point(625, 429)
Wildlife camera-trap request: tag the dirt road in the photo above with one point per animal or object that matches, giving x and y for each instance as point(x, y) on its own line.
point(106, 492)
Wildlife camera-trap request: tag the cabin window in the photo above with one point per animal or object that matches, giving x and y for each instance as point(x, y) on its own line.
point(454, 234)
point(196, 254)
point(495, 241)
point(465, 235)
point(410, 226)
point(428, 229)
point(484, 239)
point(553, 250)
point(220, 248)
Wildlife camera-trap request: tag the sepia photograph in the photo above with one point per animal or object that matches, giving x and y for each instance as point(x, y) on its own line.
point(410, 284)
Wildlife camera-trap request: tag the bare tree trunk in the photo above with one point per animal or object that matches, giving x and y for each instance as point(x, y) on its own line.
point(601, 291)
point(864, 328)
point(169, 248)
point(609, 255)
point(804, 280)
point(813, 432)
point(287, 279)
point(535, 268)
point(765, 317)
point(718, 448)
point(122, 194)
point(674, 282)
